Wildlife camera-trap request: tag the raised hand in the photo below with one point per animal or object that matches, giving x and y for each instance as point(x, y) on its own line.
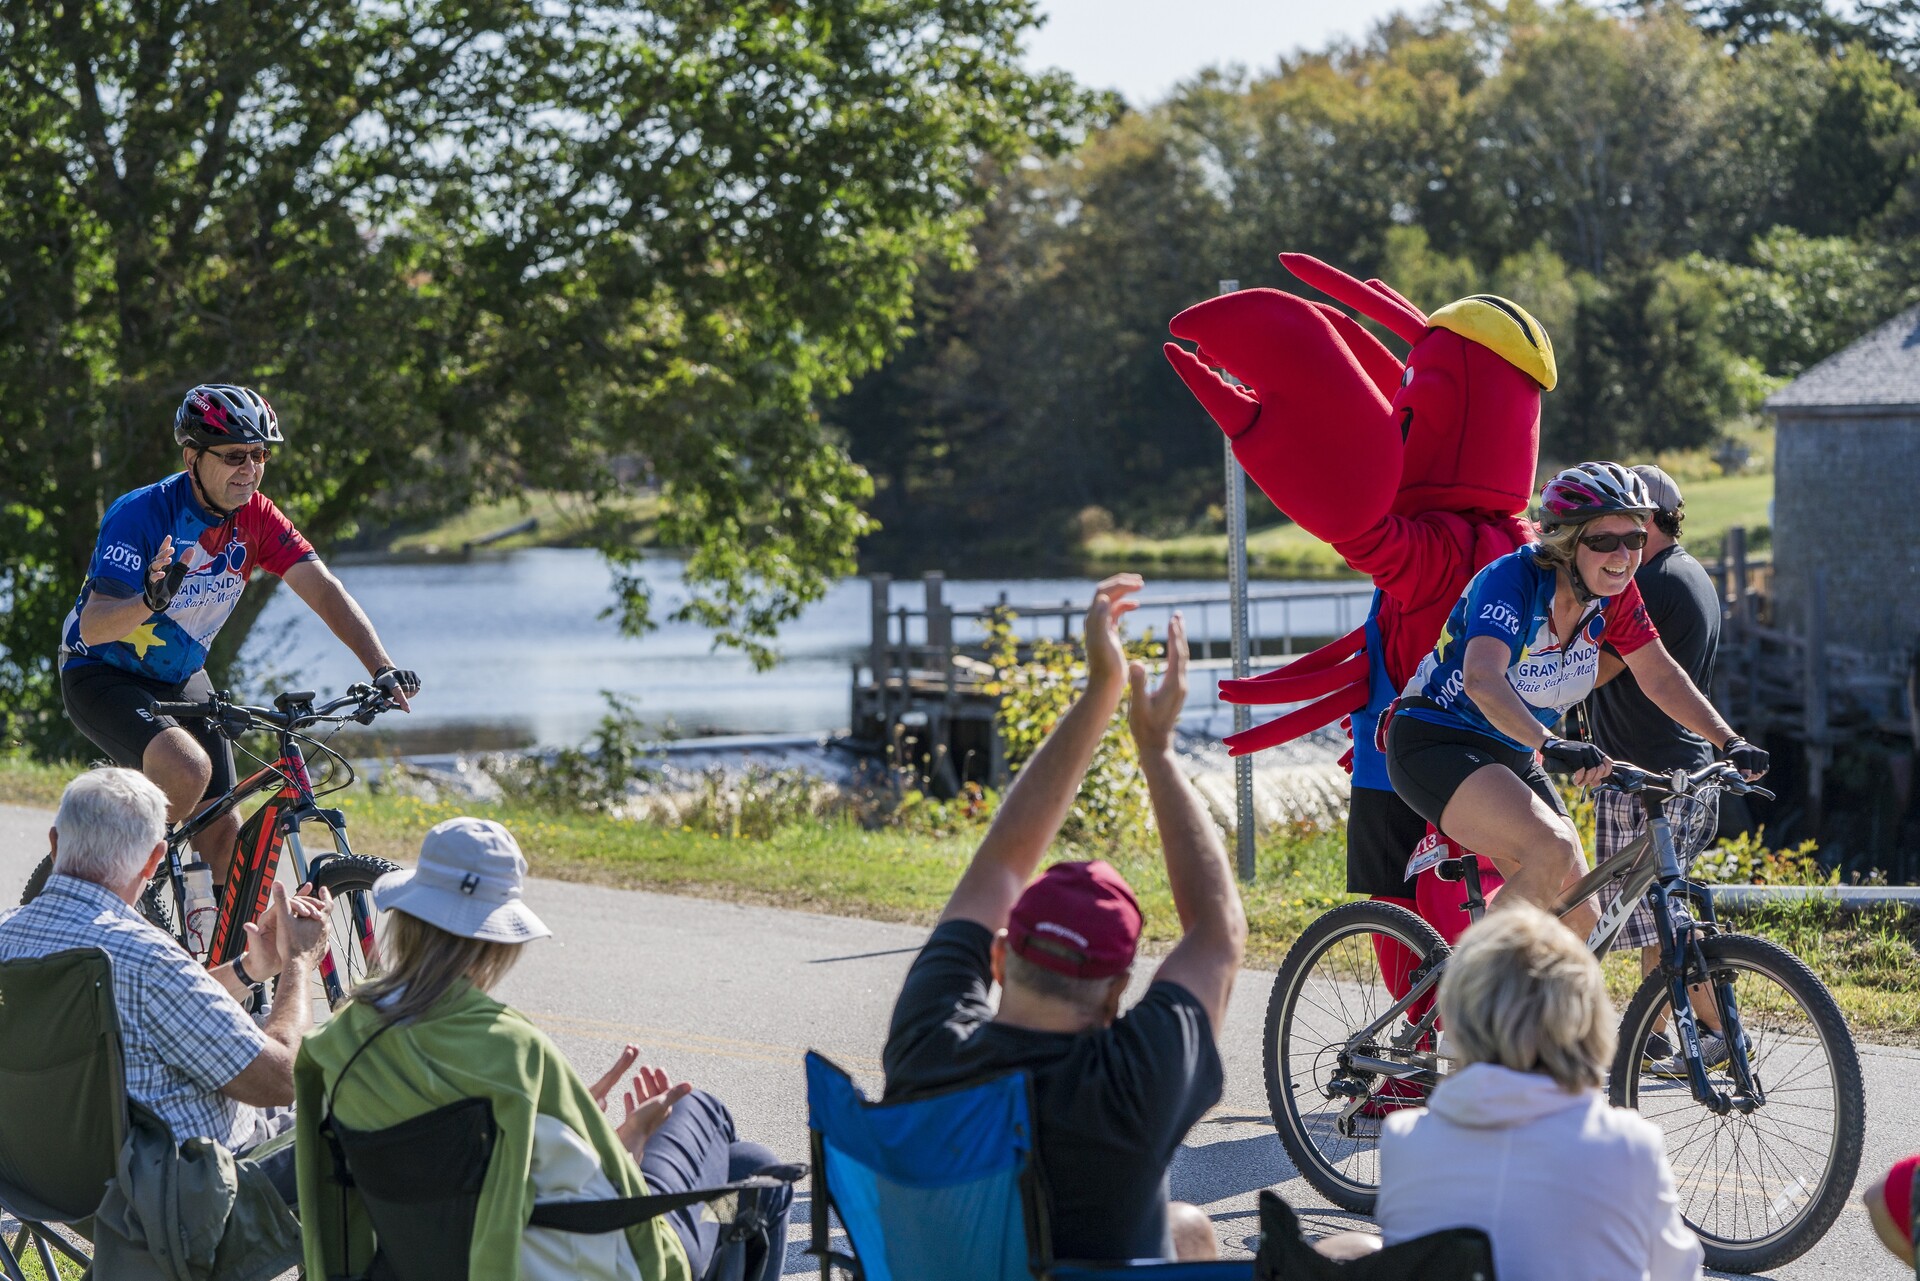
point(163, 577)
point(1106, 659)
point(648, 1105)
point(1152, 717)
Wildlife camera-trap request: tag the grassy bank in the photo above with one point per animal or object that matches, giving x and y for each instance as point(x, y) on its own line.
point(1713, 507)
point(565, 520)
point(834, 865)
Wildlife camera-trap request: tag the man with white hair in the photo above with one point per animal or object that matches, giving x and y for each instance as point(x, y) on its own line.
point(193, 1055)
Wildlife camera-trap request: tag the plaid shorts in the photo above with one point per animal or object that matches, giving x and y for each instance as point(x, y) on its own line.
point(1617, 820)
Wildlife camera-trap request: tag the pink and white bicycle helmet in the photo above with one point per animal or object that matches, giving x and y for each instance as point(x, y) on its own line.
point(1579, 494)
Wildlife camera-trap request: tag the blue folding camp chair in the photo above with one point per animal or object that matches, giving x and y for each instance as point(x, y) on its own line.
point(944, 1187)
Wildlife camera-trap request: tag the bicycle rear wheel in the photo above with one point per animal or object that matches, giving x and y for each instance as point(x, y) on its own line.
point(1326, 991)
point(1759, 1189)
point(156, 900)
point(36, 880)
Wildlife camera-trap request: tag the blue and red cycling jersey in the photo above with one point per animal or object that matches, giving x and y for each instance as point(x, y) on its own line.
point(1512, 601)
point(219, 555)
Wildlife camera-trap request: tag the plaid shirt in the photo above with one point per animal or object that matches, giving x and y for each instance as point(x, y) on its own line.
point(182, 1035)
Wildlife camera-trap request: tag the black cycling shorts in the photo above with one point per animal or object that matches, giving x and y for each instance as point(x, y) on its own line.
point(1382, 831)
point(114, 709)
point(1428, 762)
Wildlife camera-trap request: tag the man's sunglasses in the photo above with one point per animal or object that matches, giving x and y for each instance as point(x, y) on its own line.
point(1607, 542)
point(240, 457)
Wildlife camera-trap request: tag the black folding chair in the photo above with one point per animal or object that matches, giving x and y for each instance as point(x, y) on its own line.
point(63, 1100)
point(1455, 1254)
point(420, 1183)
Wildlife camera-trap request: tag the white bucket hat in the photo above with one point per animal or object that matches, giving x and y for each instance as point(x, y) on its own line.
point(468, 883)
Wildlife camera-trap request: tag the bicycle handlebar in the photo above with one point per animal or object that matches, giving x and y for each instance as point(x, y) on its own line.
point(1721, 774)
point(367, 702)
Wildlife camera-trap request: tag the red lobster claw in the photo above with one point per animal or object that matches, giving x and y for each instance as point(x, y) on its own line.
point(1234, 408)
point(1316, 433)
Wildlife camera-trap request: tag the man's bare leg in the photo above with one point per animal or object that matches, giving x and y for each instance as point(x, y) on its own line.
point(1699, 995)
point(1345, 1246)
point(180, 767)
point(215, 845)
point(1192, 1232)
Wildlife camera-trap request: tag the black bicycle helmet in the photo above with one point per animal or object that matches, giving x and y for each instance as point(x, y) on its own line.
point(215, 414)
point(1579, 494)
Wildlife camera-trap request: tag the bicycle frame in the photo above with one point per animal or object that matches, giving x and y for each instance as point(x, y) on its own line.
point(1640, 879)
point(250, 878)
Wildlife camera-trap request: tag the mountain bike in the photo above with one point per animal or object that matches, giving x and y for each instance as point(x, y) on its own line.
point(1764, 1142)
point(292, 802)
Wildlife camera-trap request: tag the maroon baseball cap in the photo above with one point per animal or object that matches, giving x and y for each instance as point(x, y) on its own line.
point(1078, 919)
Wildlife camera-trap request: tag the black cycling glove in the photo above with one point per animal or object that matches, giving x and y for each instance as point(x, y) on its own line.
point(159, 591)
point(1744, 756)
point(1570, 756)
point(390, 678)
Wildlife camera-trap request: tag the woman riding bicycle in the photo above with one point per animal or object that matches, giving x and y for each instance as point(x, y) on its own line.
point(1530, 637)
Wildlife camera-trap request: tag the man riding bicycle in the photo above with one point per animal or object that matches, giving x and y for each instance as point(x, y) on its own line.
point(1522, 646)
point(167, 573)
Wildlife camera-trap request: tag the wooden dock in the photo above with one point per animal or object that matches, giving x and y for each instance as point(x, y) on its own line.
point(1784, 680)
point(920, 692)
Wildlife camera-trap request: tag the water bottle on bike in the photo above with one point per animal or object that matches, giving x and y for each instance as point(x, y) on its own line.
point(202, 909)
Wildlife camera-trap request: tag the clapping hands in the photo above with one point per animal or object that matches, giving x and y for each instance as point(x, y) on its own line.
point(1106, 655)
point(293, 925)
point(1153, 716)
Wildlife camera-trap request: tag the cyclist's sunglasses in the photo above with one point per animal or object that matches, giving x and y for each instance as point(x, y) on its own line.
point(1607, 542)
point(240, 457)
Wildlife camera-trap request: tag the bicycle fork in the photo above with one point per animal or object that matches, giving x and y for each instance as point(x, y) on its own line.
point(1682, 958)
point(303, 874)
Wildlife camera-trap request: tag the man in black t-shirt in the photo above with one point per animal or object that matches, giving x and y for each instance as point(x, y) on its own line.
point(1114, 1094)
point(1684, 606)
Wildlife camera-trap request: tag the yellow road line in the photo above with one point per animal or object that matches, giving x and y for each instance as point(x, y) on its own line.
point(725, 1047)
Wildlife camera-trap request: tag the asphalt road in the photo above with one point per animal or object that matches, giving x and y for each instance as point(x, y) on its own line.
point(729, 997)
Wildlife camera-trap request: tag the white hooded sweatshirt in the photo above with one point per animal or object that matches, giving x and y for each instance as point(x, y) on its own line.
point(1569, 1187)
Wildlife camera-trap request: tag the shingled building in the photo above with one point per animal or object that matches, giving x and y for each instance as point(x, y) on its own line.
point(1846, 498)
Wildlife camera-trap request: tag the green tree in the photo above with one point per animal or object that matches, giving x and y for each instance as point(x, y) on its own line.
point(470, 247)
point(1803, 298)
point(1646, 368)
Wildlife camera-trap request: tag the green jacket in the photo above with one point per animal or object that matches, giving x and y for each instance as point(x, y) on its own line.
point(467, 1046)
point(191, 1212)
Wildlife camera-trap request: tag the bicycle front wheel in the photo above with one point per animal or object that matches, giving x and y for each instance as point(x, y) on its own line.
point(1328, 989)
point(353, 949)
point(1759, 1188)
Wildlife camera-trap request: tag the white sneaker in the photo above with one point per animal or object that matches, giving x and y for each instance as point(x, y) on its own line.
point(1713, 1054)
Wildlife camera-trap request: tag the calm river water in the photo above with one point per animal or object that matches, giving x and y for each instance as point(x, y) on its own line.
point(512, 648)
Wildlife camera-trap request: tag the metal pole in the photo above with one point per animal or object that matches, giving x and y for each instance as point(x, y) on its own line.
point(1237, 609)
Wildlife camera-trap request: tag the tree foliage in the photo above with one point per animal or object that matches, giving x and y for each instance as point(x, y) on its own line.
point(469, 247)
point(1694, 205)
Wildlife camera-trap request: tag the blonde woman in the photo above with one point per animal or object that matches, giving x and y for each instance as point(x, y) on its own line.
point(427, 1033)
point(1521, 1141)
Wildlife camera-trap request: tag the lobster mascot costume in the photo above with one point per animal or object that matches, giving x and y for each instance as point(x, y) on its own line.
point(1415, 472)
